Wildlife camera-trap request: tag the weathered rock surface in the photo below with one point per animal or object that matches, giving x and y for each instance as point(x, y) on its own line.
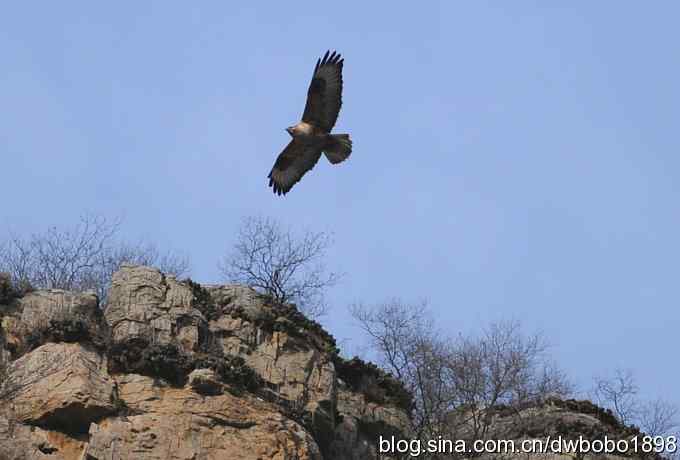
point(39, 308)
point(53, 315)
point(24, 442)
point(293, 361)
point(62, 385)
point(555, 417)
point(173, 370)
point(177, 423)
point(205, 382)
point(147, 305)
point(355, 437)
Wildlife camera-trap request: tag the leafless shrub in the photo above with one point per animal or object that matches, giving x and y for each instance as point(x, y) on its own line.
point(515, 366)
point(403, 337)
point(59, 258)
point(81, 257)
point(288, 267)
point(659, 418)
point(457, 384)
point(619, 392)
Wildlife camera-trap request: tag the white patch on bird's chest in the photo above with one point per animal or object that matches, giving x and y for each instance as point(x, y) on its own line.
point(305, 129)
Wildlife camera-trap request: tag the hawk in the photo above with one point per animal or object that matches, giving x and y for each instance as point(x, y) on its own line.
point(312, 136)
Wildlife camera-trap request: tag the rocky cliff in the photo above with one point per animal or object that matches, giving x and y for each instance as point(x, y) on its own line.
point(175, 370)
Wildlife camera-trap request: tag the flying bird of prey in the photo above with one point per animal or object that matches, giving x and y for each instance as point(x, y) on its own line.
point(312, 136)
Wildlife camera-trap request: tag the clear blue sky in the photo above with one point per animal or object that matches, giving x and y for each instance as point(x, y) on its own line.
point(510, 161)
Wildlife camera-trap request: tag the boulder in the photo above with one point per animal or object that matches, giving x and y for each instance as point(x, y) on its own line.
point(55, 315)
point(59, 385)
point(144, 304)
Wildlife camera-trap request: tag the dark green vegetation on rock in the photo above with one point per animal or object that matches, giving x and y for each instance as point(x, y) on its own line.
point(605, 416)
point(285, 318)
point(377, 385)
point(366, 378)
point(137, 356)
point(169, 362)
point(202, 300)
point(9, 291)
point(277, 317)
point(232, 370)
point(546, 422)
point(73, 329)
point(6, 289)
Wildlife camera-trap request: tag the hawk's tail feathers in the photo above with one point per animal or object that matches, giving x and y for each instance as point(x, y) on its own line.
point(338, 148)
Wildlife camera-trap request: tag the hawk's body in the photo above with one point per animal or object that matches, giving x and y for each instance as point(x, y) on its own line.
point(312, 136)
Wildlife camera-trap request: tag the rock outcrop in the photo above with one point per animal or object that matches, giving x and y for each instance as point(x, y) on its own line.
point(175, 370)
point(179, 423)
point(65, 386)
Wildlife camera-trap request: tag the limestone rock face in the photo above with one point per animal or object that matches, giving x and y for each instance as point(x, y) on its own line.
point(290, 359)
point(174, 370)
point(177, 423)
point(41, 307)
point(146, 305)
point(361, 418)
point(52, 315)
point(55, 314)
point(63, 385)
point(23, 442)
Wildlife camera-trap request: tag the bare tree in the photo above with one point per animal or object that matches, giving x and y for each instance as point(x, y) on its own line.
point(81, 257)
point(288, 267)
point(501, 367)
point(59, 258)
point(457, 384)
point(517, 366)
point(404, 339)
point(659, 418)
point(619, 393)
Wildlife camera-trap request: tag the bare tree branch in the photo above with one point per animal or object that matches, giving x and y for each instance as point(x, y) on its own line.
point(619, 393)
point(290, 268)
point(456, 384)
point(659, 418)
point(81, 257)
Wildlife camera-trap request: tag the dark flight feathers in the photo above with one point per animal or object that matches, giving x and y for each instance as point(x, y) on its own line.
point(324, 97)
point(324, 100)
point(295, 160)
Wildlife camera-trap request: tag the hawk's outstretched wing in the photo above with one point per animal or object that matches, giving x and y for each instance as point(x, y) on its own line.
point(324, 97)
point(296, 159)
